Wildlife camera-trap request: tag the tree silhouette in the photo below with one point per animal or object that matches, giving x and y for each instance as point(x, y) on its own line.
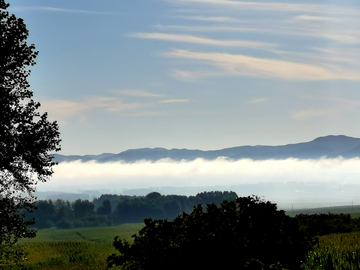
point(26, 136)
point(105, 208)
point(247, 233)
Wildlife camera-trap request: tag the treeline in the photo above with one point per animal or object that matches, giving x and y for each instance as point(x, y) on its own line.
point(324, 224)
point(110, 210)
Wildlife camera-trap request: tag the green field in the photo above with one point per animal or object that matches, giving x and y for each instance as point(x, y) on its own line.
point(335, 251)
point(83, 248)
point(88, 248)
point(353, 210)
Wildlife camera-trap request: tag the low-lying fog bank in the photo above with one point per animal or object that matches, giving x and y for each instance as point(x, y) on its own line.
point(292, 183)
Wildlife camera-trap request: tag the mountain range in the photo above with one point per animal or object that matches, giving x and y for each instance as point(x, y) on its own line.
point(329, 146)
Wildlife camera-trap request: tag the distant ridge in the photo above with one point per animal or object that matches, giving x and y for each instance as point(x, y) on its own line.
point(329, 146)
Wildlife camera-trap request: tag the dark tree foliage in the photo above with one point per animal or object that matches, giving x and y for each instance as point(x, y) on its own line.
point(83, 208)
point(105, 208)
point(26, 136)
point(129, 209)
point(153, 195)
point(246, 233)
point(323, 224)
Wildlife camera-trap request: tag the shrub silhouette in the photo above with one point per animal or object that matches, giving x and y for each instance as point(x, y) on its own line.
point(247, 233)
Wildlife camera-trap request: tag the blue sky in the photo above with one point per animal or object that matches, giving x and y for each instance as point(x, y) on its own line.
point(205, 74)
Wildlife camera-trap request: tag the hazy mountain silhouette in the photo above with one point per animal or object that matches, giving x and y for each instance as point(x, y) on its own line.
point(328, 146)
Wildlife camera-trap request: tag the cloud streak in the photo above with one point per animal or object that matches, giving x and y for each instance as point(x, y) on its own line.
point(243, 65)
point(174, 100)
point(210, 19)
point(311, 113)
point(258, 100)
point(313, 18)
point(272, 6)
point(63, 10)
point(63, 110)
point(204, 41)
point(136, 93)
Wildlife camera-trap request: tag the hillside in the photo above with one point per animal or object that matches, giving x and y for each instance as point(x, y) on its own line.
point(328, 146)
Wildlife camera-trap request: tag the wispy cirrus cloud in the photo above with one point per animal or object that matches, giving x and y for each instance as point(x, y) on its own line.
point(311, 113)
point(349, 35)
point(113, 104)
point(209, 28)
point(202, 40)
point(194, 76)
point(243, 65)
point(218, 19)
point(63, 110)
point(258, 100)
point(174, 100)
point(346, 34)
point(136, 93)
point(64, 10)
point(335, 106)
point(312, 18)
point(271, 6)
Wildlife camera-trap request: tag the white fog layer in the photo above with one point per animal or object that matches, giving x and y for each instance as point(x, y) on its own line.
point(289, 182)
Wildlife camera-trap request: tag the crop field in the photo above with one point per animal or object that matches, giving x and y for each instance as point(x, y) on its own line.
point(83, 248)
point(336, 251)
point(88, 248)
point(353, 210)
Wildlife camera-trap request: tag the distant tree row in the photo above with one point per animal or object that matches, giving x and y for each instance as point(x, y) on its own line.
point(117, 209)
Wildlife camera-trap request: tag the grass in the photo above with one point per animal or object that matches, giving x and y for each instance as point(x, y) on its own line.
point(83, 248)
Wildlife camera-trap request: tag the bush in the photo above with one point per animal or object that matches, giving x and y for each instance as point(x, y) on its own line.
point(247, 233)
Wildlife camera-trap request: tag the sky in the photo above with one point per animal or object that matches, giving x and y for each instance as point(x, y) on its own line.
point(196, 74)
point(199, 74)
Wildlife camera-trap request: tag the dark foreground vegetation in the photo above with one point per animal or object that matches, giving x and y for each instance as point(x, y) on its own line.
point(110, 210)
point(248, 232)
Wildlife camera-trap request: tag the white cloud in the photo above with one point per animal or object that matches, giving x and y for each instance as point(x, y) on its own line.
point(242, 65)
point(205, 41)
